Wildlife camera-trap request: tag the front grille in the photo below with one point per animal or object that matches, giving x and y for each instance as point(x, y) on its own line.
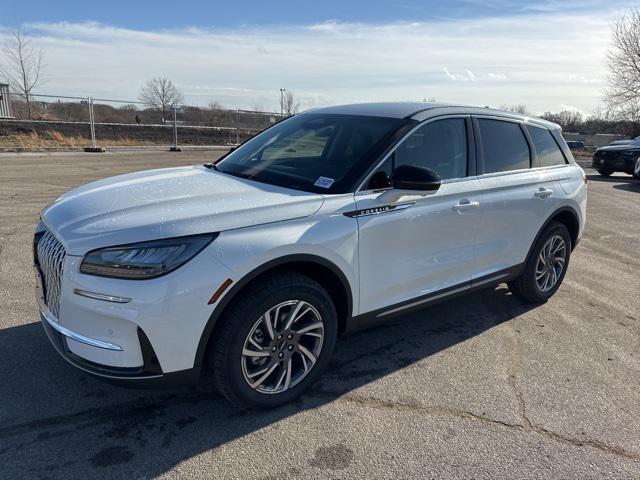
point(50, 258)
point(608, 155)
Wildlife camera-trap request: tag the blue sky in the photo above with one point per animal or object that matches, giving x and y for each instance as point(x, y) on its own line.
point(549, 55)
point(164, 14)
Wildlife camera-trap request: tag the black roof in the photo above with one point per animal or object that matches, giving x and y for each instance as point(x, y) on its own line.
point(381, 109)
point(420, 111)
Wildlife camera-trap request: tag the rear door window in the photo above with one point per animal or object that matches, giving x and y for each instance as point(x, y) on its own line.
point(504, 146)
point(547, 149)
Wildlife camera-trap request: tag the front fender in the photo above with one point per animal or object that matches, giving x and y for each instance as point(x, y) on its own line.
point(327, 240)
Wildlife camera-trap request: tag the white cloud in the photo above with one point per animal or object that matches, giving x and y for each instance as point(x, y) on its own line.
point(497, 76)
point(571, 108)
point(449, 74)
point(467, 76)
point(539, 60)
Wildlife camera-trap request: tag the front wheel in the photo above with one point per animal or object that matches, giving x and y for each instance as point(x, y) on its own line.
point(546, 266)
point(605, 173)
point(274, 342)
point(636, 170)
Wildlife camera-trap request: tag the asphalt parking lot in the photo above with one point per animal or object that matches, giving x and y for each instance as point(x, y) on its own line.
point(478, 387)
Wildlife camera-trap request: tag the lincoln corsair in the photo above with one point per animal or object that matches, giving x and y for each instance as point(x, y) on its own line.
point(336, 219)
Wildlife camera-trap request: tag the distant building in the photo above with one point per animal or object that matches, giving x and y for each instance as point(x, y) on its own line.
point(5, 102)
point(593, 140)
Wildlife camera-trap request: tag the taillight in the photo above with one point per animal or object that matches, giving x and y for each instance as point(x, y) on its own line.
point(584, 176)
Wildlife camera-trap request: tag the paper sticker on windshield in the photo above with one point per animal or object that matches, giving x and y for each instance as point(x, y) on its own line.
point(324, 182)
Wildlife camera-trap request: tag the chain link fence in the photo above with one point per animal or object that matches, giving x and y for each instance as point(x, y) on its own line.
point(50, 122)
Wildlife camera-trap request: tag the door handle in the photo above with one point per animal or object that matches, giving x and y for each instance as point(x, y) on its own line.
point(465, 204)
point(543, 193)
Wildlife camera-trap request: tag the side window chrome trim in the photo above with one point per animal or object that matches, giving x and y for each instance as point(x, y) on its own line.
point(402, 140)
point(521, 170)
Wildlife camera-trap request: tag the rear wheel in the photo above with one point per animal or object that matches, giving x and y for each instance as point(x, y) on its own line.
point(546, 266)
point(274, 342)
point(604, 172)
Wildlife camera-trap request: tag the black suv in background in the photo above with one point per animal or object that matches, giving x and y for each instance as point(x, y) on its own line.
point(575, 145)
point(617, 158)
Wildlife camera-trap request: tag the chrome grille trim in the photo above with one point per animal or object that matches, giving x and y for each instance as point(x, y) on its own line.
point(51, 255)
point(40, 227)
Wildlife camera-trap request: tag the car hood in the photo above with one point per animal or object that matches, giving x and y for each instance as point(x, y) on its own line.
point(170, 202)
point(620, 148)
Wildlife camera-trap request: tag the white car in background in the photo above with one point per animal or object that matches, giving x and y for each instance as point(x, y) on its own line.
point(332, 220)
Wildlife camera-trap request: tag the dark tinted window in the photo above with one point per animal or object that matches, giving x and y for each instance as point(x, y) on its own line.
point(324, 153)
point(440, 146)
point(546, 147)
point(504, 146)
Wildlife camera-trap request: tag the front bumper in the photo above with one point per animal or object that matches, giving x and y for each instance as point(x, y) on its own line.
point(620, 163)
point(143, 377)
point(58, 337)
point(149, 341)
point(46, 316)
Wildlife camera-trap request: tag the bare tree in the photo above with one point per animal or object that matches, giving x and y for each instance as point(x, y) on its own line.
point(622, 95)
point(520, 109)
point(256, 106)
point(568, 119)
point(160, 93)
point(218, 115)
point(289, 103)
point(24, 65)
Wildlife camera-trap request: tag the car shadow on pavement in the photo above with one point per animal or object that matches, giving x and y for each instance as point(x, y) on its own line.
point(622, 178)
point(629, 187)
point(57, 422)
point(626, 183)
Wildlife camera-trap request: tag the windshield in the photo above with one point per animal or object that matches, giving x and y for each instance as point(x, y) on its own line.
point(325, 153)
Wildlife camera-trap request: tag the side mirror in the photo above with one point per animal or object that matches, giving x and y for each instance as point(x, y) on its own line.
point(409, 177)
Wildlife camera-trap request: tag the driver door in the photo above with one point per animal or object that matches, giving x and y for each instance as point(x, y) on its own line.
point(417, 247)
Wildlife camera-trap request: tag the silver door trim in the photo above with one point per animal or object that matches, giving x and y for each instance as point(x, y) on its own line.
point(425, 300)
point(463, 288)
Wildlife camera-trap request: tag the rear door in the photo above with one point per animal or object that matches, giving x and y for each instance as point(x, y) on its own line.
point(518, 195)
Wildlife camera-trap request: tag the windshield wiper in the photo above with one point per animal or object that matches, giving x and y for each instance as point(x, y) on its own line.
point(247, 176)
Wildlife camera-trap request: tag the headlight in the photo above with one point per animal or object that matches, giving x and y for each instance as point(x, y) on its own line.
point(140, 261)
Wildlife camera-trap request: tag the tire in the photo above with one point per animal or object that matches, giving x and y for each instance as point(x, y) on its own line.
point(636, 170)
point(243, 328)
point(527, 285)
point(605, 173)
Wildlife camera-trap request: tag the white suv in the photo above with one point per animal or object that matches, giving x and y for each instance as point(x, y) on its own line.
point(332, 220)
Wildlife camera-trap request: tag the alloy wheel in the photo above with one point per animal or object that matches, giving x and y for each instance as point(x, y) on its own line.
point(551, 263)
point(282, 347)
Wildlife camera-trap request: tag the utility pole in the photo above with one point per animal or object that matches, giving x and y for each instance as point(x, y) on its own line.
point(237, 126)
point(282, 90)
point(92, 127)
point(175, 147)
